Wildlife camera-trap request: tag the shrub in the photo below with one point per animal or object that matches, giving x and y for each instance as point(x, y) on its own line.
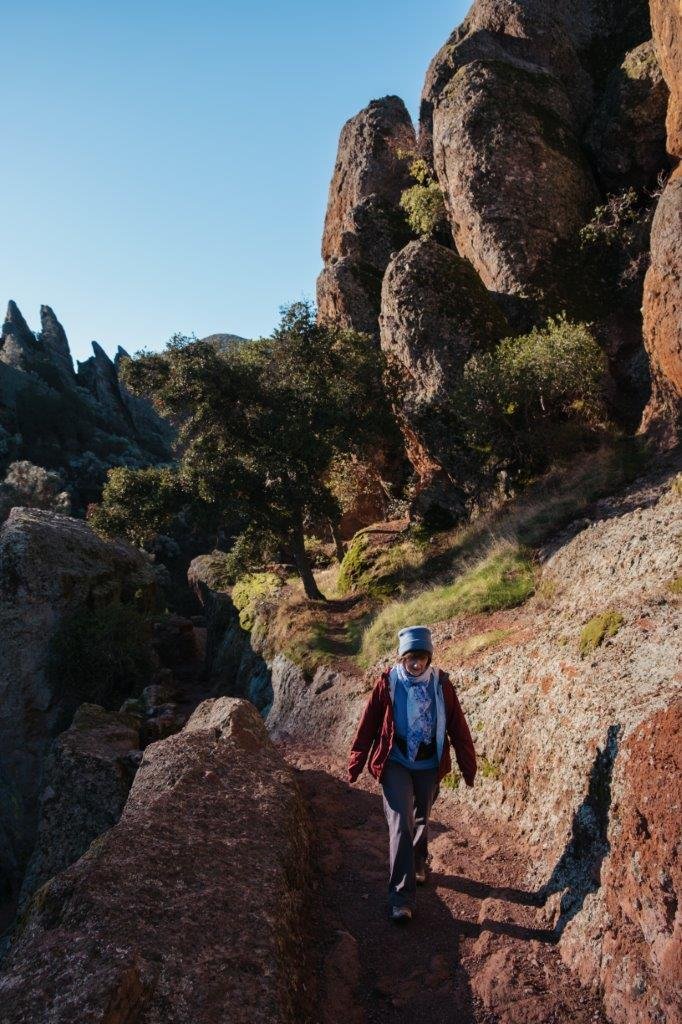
point(533, 396)
point(597, 629)
point(32, 487)
point(489, 769)
point(249, 591)
point(451, 780)
point(102, 656)
point(423, 202)
point(137, 503)
point(616, 241)
point(503, 579)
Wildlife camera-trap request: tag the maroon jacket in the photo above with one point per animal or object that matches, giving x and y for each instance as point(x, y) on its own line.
point(374, 737)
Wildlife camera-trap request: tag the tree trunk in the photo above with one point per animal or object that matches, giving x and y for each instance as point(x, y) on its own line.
point(303, 562)
point(336, 537)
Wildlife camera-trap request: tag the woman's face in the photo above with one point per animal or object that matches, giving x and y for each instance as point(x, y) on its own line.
point(416, 662)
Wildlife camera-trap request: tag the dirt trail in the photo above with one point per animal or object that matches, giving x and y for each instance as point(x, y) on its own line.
point(479, 950)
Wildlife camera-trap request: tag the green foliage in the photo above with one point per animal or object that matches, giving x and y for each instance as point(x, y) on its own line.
point(252, 549)
point(102, 655)
point(424, 207)
point(533, 397)
point(503, 579)
point(452, 780)
point(319, 553)
point(597, 629)
point(137, 503)
point(423, 202)
point(249, 591)
point(489, 769)
point(615, 244)
point(475, 644)
point(675, 586)
point(354, 565)
point(260, 423)
point(32, 486)
point(354, 483)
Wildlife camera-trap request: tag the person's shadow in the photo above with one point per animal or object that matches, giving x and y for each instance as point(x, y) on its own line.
point(577, 872)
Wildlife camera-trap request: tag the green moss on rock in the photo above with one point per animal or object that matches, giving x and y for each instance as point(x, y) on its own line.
point(597, 629)
point(249, 591)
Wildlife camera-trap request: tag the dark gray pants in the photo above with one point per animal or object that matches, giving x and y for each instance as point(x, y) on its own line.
point(408, 798)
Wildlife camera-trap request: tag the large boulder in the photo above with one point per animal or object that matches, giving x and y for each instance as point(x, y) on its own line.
point(435, 313)
point(626, 136)
point(50, 567)
point(579, 41)
point(88, 773)
point(666, 26)
point(516, 183)
point(662, 309)
point(364, 224)
point(191, 907)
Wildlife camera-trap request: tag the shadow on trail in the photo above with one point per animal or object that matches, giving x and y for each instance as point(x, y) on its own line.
point(407, 973)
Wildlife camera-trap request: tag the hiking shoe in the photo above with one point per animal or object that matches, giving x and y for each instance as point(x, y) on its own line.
point(401, 915)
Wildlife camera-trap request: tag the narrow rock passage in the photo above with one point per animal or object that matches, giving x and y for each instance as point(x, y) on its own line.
point(479, 949)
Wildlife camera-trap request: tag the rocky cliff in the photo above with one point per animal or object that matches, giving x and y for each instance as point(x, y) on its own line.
point(79, 423)
point(52, 567)
point(533, 119)
point(192, 907)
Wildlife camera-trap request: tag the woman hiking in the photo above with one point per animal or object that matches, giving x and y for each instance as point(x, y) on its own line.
point(411, 714)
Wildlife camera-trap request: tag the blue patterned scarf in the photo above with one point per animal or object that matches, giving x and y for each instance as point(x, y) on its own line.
point(421, 708)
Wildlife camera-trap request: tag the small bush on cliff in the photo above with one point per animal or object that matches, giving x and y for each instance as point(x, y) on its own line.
point(32, 486)
point(102, 655)
point(423, 202)
point(533, 397)
point(249, 591)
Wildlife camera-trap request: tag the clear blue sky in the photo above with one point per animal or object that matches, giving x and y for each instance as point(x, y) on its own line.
point(165, 165)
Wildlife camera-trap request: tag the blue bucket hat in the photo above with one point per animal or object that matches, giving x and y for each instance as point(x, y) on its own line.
point(414, 638)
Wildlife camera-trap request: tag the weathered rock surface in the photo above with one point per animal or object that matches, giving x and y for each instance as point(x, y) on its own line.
point(630, 944)
point(515, 179)
point(191, 908)
point(577, 41)
point(662, 311)
point(435, 313)
point(626, 136)
point(80, 424)
point(666, 27)
point(88, 773)
point(232, 664)
point(364, 224)
point(50, 566)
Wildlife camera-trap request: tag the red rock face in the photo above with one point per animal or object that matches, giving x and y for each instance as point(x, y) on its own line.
point(515, 181)
point(662, 309)
point(188, 909)
point(364, 224)
point(666, 26)
point(641, 967)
